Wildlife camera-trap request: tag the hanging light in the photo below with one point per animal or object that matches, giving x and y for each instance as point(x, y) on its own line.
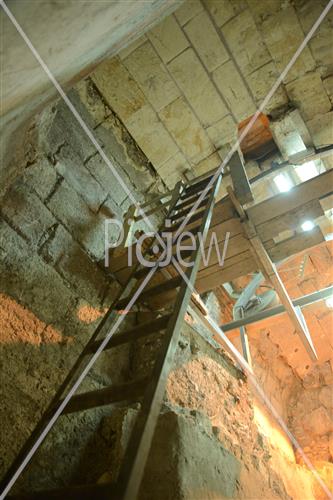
point(308, 225)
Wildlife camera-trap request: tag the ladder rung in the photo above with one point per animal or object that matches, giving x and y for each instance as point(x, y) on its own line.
point(194, 188)
point(196, 216)
point(201, 182)
point(141, 273)
point(125, 392)
point(185, 212)
point(155, 290)
point(189, 201)
point(134, 333)
point(83, 492)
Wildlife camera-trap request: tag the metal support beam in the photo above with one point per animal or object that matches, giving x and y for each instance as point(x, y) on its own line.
point(280, 309)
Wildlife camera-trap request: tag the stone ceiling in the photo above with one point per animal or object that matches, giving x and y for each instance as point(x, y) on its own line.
point(181, 88)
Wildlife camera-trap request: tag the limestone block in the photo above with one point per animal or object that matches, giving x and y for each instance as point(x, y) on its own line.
point(168, 39)
point(206, 41)
point(81, 179)
point(263, 10)
point(147, 69)
point(26, 213)
point(319, 422)
point(309, 95)
point(283, 35)
point(86, 228)
point(92, 101)
point(119, 90)
point(132, 46)
point(223, 10)
point(172, 170)
point(188, 10)
point(231, 85)
point(42, 177)
point(178, 444)
point(321, 42)
point(192, 78)
point(186, 130)
point(326, 396)
point(245, 42)
point(151, 135)
point(261, 82)
point(25, 276)
point(106, 178)
point(85, 278)
point(321, 129)
point(125, 155)
point(328, 84)
point(207, 164)
point(223, 132)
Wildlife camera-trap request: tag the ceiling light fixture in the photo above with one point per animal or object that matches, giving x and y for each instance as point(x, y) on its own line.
point(307, 225)
point(283, 183)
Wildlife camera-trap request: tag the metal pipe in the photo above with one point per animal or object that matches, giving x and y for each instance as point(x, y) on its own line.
point(273, 311)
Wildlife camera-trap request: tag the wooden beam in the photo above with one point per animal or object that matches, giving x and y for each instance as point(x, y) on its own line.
point(269, 270)
point(316, 188)
point(239, 177)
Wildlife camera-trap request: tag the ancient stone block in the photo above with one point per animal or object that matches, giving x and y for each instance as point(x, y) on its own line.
point(223, 132)
point(86, 228)
point(320, 43)
point(85, 278)
point(117, 87)
point(186, 130)
point(108, 179)
point(319, 422)
point(245, 42)
point(320, 129)
point(132, 46)
point(263, 10)
point(309, 95)
point(283, 35)
point(26, 213)
point(171, 171)
point(125, 156)
point(188, 10)
point(92, 101)
point(223, 10)
point(197, 87)
point(25, 276)
point(146, 68)
point(80, 178)
point(168, 39)
point(206, 41)
point(151, 135)
point(207, 164)
point(231, 85)
point(261, 82)
point(328, 84)
point(41, 176)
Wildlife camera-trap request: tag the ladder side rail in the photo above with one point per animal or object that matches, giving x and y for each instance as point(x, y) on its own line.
point(137, 451)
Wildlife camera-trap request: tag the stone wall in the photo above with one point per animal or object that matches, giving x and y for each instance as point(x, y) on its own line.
point(182, 88)
point(299, 389)
point(54, 288)
point(214, 439)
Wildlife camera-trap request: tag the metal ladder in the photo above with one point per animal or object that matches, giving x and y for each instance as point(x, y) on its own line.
point(150, 390)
